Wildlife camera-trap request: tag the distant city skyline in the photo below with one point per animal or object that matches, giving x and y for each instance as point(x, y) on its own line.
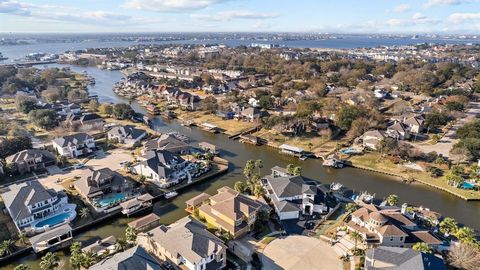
point(343, 16)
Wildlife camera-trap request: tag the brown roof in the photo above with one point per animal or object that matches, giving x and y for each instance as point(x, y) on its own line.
point(198, 199)
point(391, 230)
point(426, 237)
point(377, 216)
point(144, 221)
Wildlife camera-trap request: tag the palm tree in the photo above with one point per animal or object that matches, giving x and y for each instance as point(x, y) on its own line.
point(356, 236)
point(297, 171)
point(50, 261)
point(290, 168)
point(248, 169)
point(7, 247)
point(351, 207)
point(121, 244)
point(259, 165)
point(22, 237)
point(422, 247)
point(21, 267)
point(76, 255)
point(448, 226)
point(466, 235)
point(84, 212)
point(392, 199)
point(131, 234)
point(240, 186)
point(258, 190)
point(88, 259)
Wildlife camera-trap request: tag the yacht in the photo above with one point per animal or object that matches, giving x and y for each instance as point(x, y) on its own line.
point(171, 194)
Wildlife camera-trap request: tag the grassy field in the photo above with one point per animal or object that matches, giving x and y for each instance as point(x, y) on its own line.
point(375, 162)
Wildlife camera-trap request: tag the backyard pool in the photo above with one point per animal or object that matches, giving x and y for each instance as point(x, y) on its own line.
point(104, 202)
point(55, 220)
point(467, 185)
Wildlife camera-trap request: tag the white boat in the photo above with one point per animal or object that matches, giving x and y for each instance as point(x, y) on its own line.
point(302, 158)
point(171, 194)
point(335, 186)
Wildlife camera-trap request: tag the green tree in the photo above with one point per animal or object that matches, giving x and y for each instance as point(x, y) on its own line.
point(21, 267)
point(88, 259)
point(131, 234)
point(356, 237)
point(93, 105)
point(290, 168)
point(25, 104)
point(348, 114)
point(123, 111)
point(76, 255)
point(121, 244)
point(44, 118)
point(448, 226)
point(248, 169)
point(7, 247)
point(50, 261)
point(258, 190)
point(240, 186)
point(466, 235)
point(259, 165)
point(422, 247)
point(351, 207)
point(297, 171)
point(105, 109)
point(84, 212)
point(392, 199)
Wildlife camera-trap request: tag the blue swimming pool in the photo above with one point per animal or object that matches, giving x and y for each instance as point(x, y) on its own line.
point(53, 220)
point(110, 200)
point(467, 185)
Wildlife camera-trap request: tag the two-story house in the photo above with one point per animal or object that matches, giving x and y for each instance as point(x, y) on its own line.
point(231, 211)
point(127, 135)
point(94, 184)
point(30, 160)
point(74, 145)
point(388, 227)
point(292, 196)
point(85, 122)
point(398, 131)
point(186, 243)
point(30, 202)
point(372, 139)
point(166, 142)
point(161, 167)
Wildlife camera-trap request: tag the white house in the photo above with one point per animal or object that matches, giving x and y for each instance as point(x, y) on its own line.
point(74, 145)
point(161, 167)
point(291, 196)
point(128, 135)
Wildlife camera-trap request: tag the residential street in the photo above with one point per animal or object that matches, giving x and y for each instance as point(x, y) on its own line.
point(444, 146)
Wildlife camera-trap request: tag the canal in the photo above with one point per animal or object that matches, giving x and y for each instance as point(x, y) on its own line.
point(237, 153)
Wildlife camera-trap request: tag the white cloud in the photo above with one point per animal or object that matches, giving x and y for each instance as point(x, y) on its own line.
point(13, 7)
point(458, 18)
point(433, 3)
point(234, 14)
point(170, 5)
point(416, 19)
point(401, 8)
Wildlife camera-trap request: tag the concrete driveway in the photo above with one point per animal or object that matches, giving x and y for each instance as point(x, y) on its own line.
point(300, 252)
point(110, 160)
point(444, 146)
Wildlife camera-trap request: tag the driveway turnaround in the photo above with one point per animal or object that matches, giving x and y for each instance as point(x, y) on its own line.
point(300, 252)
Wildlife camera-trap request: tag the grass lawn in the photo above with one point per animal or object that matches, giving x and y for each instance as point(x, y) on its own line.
point(301, 141)
point(230, 126)
point(375, 162)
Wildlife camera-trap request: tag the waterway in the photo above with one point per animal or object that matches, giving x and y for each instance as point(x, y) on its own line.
point(238, 153)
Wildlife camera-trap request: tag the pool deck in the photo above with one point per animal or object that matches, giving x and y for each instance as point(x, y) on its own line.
point(67, 209)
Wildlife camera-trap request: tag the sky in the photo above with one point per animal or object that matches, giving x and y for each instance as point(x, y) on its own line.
point(319, 16)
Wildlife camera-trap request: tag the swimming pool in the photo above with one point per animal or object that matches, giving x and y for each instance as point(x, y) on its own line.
point(111, 200)
point(55, 220)
point(467, 185)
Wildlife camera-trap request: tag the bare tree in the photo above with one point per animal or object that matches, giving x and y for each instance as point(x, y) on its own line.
point(464, 256)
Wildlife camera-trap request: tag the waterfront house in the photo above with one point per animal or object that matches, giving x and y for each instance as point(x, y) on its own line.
point(372, 139)
point(29, 203)
point(292, 196)
point(134, 258)
point(74, 145)
point(145, 223)
point(230, 211)
point(30, 160)
point(389, 227)
point(186, 243)
point(250, 114)
point(398, 131)
point(401, 259)
point(102, 246)
point(166, 142)
point(53, 239)
point(127, 135)
point(86, 122)
point(94, 185)
point(161, 167)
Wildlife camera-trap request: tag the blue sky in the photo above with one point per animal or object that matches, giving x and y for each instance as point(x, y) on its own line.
point(331, 16)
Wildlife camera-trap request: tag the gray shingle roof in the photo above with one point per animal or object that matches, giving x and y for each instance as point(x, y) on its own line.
point(135, 258)
point(402, 259)
point(165, 142)
point(290, 186)
point(30, 154)
point(129, 132)
point(21, 195)
point(74, 139)
point(188, 238)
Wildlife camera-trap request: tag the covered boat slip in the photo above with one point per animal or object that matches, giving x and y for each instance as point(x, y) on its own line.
point(52, 239)
point(136, 204)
